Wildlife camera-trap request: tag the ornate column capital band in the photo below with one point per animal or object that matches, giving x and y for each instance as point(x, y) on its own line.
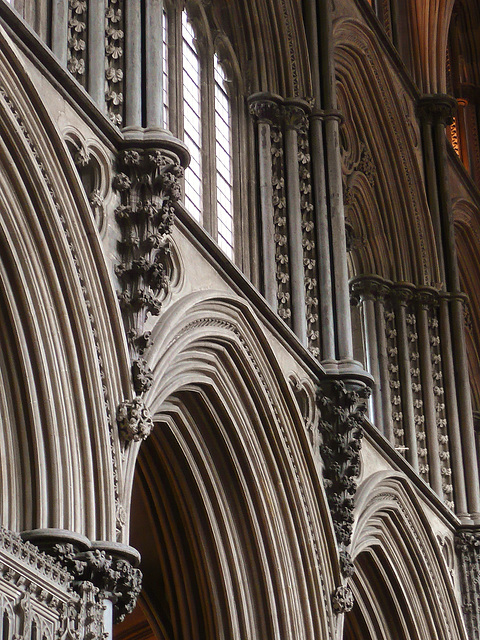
point(112, 568)
point(436, 108)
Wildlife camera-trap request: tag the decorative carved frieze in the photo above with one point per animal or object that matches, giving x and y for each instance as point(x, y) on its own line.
point(467, 544)
point(342, 407)
point(147, 183)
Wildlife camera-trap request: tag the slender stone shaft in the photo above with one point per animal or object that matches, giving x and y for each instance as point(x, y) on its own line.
point(432, 192)
point(319, 190)
point(429, 412)
point(266, 110)
point(452, 409)
point(371, 345)
point(294, 118)
point(133, 64)
point(327, 324)
point(154, 63)
point(384, 377)
point(96, 52)
point(465, 407)
point(60, 29)
point(402, 296)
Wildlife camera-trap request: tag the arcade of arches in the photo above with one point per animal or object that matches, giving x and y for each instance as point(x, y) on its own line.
point(239, 319)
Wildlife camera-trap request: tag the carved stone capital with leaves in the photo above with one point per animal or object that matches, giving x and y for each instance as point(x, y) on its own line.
point(294, 114)
point(113, 577)
point(368, 288)
point(265, 107)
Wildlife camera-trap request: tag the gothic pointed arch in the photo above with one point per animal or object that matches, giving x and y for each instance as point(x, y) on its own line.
point(227, 502)
point(60, 330)
point(403, 586)
point(384, 203)
point(467, 235)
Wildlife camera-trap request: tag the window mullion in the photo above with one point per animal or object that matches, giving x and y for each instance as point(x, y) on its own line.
point(175, 80)
point(208, 141)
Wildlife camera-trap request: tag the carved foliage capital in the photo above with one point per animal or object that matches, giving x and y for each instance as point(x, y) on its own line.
point(265, 110)
point(113, 577)
point(402, 293)
point(368, 288)
point(295, 117)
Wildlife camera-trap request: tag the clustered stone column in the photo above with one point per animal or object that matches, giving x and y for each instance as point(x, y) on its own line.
point(435, 112)
point(288, 230)
point(408, 349)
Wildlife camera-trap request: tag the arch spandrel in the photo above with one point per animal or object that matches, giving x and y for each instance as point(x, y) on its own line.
point(223, 408)
point(62, 326)
point(392, 532)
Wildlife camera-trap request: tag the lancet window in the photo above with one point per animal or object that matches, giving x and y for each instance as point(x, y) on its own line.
point(195, 82)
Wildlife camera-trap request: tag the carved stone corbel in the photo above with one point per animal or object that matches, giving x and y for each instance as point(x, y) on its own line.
point(342, 406)
point(147, 181)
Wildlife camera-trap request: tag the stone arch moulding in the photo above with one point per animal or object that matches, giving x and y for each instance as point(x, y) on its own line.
point(393, 538)
point(224, 412)
point(467, 239)
point(386, 157)
point(63, 366)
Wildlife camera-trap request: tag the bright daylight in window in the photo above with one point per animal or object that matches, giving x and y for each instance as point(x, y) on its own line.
point(191, 120)
point(223, 162)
